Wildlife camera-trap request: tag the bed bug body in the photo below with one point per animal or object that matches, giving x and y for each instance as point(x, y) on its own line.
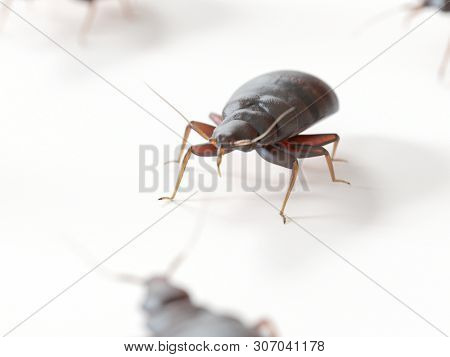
point(266, 114)
point(171, 313)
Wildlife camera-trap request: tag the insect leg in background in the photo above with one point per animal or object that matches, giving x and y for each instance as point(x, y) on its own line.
point(92, 13)
point(413, 10)
point(445, 60)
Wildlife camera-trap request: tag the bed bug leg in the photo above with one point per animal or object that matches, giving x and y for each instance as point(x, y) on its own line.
point(204, 150)
point(88, 20)
point(5, 12)
point(445, 60)
point(335, 145)
point(180, 175)
point(126, 9)
point(266, 328)
point(331, 168)
point(414, 11)
point(216, 118)
point(292, 181)
point(205, 131)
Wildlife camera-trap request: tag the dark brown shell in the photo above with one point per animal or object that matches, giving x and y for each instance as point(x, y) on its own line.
point(261, 100)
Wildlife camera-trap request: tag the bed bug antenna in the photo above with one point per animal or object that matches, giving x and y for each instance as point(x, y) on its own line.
point(176, 110)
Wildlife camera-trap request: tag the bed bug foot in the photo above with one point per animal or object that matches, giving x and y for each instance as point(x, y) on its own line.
point(283, 217)
point(165, 198)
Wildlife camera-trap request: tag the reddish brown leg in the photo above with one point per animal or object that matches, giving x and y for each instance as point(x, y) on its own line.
point(413, 12)
point(266, 328)
point(126, 9)
point(205, 150)
point(89, 20)
point(305, 151)
point(216, 118)
point(205, 130)
point(317, 140)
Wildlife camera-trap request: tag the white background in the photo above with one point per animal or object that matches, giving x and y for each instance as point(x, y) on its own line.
point(69, 182)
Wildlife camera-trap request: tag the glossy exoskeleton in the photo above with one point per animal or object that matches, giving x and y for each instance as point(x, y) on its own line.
point(266, 114)
point(171, 313)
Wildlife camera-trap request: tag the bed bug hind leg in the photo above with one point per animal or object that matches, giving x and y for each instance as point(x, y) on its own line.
point(204, 150)
point(331, 168)
point(294, 174)
point(204, 130)
point(317, 140)
point(301, 148)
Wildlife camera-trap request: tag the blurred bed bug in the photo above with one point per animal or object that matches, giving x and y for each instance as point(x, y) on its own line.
point(414, 10)
point(266, 114)
point(92, 11)
point(89, 19)
point(171, 313)
point(443, 6)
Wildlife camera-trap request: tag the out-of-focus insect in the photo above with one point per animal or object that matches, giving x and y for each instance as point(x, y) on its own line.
point(266, 114)
point(171, 313)
point(90, 16)
point(92, 10)
point(414, 10)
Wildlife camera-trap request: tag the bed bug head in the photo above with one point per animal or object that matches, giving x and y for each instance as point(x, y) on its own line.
point(238, 134)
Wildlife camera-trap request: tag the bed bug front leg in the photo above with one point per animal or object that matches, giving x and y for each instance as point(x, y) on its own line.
point(204, 130)
point(204, 150)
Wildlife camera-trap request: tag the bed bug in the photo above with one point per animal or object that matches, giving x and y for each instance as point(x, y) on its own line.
point(90, 16)
point(443, 6)
point(171, 313)
point(92, 10)
point(413, 10)
point(267, 114)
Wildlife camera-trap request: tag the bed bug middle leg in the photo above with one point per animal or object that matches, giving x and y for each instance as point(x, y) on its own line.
point(304, 151)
